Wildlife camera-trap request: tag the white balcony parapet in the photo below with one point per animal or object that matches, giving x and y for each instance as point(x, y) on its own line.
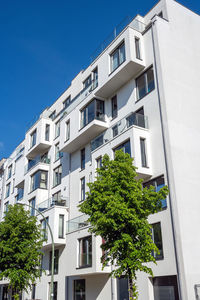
point(77, 223)
point(133, 119)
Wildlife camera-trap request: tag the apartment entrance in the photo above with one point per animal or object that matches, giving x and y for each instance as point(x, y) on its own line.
point(165, 288)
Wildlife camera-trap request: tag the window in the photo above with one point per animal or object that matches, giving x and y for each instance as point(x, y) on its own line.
point(61, 227)
point(45, 228)
point(85, 252)
point(67, 127)
point(39, 180)
point(57, 151)
point(56, 259)
point(115, 130)
point(137, 48)
point(13, 186)
point(47, 131)
point(8, 189)
point(145, 83)
point(126, 147)
point(114, 106)
point(83, 189)
point(6, 206)
point(87, 82)
point(117, 57)
point(165, 287)
point(95, 78)
point(33, 291)
point(9, 171)
point(143, 152)
point(66, 103)
point(122, 288)
point(83, 159)
point(94, 110)
point(57, 129)
point(158, 183)
point(79, 289)
point(137, 118)
point(32, 208)
point(55, 290)
point(56, 198)
point(33, 138)
point(99, 162)
point(52, 115)
point(20, 194)
point(57, 175)
point(157, 239)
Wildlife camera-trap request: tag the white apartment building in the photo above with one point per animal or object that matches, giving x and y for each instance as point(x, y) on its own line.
point(140, 94)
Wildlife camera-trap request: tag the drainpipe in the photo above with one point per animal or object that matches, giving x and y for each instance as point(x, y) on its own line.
point(166, 164)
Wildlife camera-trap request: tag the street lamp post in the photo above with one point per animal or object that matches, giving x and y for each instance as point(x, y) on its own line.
point(52, 240)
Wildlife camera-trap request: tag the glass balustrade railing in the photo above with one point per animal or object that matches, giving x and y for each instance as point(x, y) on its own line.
point(77, 223)
point(33, 162)
point(133, 119)
point(63, 201)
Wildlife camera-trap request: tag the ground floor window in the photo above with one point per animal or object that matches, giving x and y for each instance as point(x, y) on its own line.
point(122, 288)
point(165, 287)
point(79, 289)
point(55, 289)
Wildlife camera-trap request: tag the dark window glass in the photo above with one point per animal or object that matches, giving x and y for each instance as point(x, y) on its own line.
point(79, 289)
point(115, 130)
point(126, 147)
point(165, 287)
point(83, 189)
point(66, 103)
point(157, 239)
point(145, 83)
point(33, 138)
point(9, 171)
point(158, 183)
point(117, 57)
point(33, 291)
point(57, 129)
point(122, 288)
point(85, 252)
point(32, 208)
point(45, 228)
point(61, 227)
point(52, 115)
point(114, 106)
point(57, 175)
point(87, 82)
point(67, 130)
point(143, 152)
point(47, 131)
point(94, 110)
point(39, 180)
point(97, 142)
point(95, 78)
point(56, 259)
point(83, 159)
point(137, 48)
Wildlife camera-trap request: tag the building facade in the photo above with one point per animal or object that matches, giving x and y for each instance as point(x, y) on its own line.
point(136, 95)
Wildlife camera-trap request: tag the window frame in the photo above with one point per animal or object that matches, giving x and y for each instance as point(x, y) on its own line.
point(117, 51)
point(83, 292)
point(114, 107)
point(33, 138)
point(146, 83)
point(57, 182)
point(33, 181)
point(47, 132)
point(88, 253)
point(82, 156)
point(82, 181)
point(61, 232)
point(154, 254)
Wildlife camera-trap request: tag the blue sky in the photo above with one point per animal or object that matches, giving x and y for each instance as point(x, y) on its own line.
point(44, 44)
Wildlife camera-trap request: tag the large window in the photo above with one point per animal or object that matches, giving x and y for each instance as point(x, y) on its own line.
point(85, 252)
point(165, 287)
point(157, 239)
point(126, 147)
point(145, 83)
point(39, 180)
point(122, 288)
point(114, 106)
point(33, 138)
point(94, 110)
point(117, 57)
point(79, 289)
point(158, 183)
point(32, 206)
point(55, 290)
point(56, 260)
point(8, 189)
point(82, 158)
point(61, 227)
point(57, 175)
point(83, 189)
point(57, 129)
point(9, 171)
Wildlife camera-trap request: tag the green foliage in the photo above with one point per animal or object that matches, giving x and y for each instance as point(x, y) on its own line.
point(118, 207)
point(20, 245)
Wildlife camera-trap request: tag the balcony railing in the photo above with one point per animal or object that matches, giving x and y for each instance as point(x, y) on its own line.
point(132, 119)
point(63, 201)
point(33, 162)
point(77, 223)
point(128, 21)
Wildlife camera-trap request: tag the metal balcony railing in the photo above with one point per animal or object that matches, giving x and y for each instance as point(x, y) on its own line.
point(132, 119)
point(63, 201)
point(76, 223)
point(32, 163)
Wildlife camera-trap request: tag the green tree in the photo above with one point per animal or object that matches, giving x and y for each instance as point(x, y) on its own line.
point(118, 208)
point(20, 244)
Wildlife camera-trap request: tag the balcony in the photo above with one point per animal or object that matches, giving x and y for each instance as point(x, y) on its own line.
point(132, 119)
point(92, 123)
point(51, 202)
point(77, 223)
point(34, 162)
